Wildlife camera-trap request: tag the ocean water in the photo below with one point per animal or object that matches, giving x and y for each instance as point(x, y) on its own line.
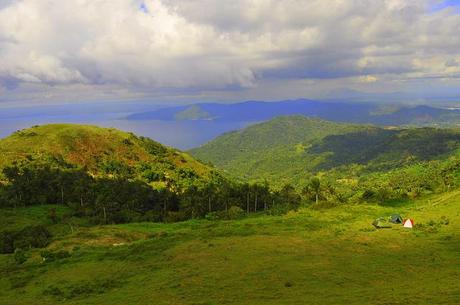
point(180, 134)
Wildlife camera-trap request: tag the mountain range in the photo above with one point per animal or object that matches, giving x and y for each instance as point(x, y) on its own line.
point(257, 111)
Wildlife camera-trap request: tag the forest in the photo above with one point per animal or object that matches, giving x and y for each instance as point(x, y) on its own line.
point(121, 198)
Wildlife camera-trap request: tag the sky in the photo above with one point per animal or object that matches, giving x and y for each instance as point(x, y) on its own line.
point(176, 51)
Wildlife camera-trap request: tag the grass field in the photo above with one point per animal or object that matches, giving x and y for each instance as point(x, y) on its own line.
point(330, 256)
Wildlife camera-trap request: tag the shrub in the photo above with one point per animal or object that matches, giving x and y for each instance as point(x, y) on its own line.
point(53, 291)
point(235, 212)
point(368, 195)
point(6, 242)
point(52, 215)
point(29, 237)
point(151, 215)
point(172, 216)
point(444, 220)
point(288, 284)
point(83, 288)
point(212, 216)
point(32, 237)
point(125, 216)
point(49, 256)
point(20, 256)
point(278, 209)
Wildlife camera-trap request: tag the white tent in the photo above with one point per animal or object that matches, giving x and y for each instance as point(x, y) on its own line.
point(408, 223)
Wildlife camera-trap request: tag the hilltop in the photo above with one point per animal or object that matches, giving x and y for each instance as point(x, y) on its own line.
point(103, 174)
point(289, 149)
point(99, 151)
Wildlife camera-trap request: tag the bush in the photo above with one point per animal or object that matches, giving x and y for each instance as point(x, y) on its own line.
point(6, 242)
point(29, 237)
point(151, 215)
point(32, 237)
point(20, 256)
point(49, 256)
point(278, 209)
point(83, 288)
point(125, 216)
point(235, 212)
point(52, 215)
point(444, 220)
point(4, 200)
point(368, 195)
point(172, 216)
point(213, 216)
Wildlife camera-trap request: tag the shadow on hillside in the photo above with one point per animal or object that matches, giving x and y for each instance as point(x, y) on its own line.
point(388, 148)
point(396, 203)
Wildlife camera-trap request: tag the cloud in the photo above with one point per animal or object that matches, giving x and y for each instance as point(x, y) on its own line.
point(452, 62)
point(368, 79)
point(194, 46)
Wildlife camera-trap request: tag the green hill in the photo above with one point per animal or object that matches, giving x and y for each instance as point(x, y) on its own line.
point(291, 149)
point(193, 112)
point(110, 176)
point(102, 152)
point(305, 257)
point(274, 150)
point(106, 175)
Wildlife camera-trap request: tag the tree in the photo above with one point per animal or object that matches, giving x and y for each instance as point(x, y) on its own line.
point(289, 197)
point(313, 188)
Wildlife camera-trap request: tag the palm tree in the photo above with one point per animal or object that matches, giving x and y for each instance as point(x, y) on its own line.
point(313, 187)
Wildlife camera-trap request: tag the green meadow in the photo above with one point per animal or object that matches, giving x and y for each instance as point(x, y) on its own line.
point(312, 256)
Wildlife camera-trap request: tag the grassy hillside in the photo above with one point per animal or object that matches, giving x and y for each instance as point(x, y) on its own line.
point(290, 149)
point(110, 176)
point(273, 150)
point(331, 256)
point(100, 151)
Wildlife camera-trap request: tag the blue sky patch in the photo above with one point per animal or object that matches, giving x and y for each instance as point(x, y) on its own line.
point(143, 8)
point(446, 4)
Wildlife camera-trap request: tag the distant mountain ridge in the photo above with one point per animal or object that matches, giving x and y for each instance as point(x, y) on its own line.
point(257, 111)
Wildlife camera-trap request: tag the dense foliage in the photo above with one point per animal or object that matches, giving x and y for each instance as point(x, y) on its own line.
point(121, 199)
point(351, 163)
point(123, 180)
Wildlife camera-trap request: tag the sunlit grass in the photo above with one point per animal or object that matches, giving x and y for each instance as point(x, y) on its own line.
point(329, 256)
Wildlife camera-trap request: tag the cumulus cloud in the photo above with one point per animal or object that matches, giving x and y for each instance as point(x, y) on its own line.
point(201, 45)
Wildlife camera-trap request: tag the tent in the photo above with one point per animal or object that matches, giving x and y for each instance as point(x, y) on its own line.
point(408, 223)
point(396, 218)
